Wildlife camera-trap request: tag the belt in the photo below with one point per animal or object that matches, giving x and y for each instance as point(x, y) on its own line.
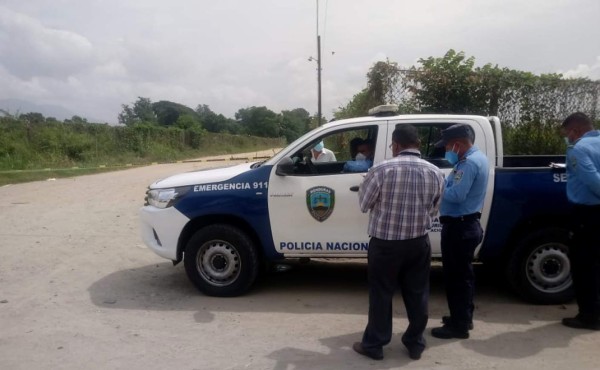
point(450, 219)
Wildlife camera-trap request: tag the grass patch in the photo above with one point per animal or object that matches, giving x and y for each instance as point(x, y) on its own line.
point(16, 177)
point(27, 146)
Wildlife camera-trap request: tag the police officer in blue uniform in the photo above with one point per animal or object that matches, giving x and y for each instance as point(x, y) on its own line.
point(583, 192)
point(460, 211)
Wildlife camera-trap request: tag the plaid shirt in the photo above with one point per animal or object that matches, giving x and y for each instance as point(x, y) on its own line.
point(403, 194)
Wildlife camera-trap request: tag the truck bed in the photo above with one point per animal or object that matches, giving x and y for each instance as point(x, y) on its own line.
point(524, 198)
point(532, 160)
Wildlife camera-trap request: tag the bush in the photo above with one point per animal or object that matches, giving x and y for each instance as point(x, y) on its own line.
point(25, 145)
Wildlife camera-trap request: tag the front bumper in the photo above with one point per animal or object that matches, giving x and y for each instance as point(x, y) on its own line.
point(161, 228)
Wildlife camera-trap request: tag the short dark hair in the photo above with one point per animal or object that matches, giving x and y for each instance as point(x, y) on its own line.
point(354, 143)
point(579, 118)
point(368, 142)
point(406, 136)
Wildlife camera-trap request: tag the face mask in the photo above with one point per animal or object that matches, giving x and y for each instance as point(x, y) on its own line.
point(361, 157)
point(451, 156)
point(319, 147)
point(567, 141)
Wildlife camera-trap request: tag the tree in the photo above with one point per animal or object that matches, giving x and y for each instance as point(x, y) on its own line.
point(168, 112)
point(294, 123)
point(127, 117)
point(77, 120)
point(143, 109)
point(188, 122)
point(214, 122)
point(443, 85)
point(33, 117)
point(52, 120)
point(382, 81)
point(383, 87)
point(358, 106)
point(141, 112)
point(259, 121)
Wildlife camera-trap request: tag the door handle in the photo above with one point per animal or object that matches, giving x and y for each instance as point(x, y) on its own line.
point(354, 188)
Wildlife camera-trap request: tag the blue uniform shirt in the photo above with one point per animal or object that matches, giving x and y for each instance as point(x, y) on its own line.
point(465, 188)
point(358, 166)
point(583, 170)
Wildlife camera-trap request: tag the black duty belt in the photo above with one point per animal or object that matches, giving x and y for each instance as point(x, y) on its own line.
point(450, 219)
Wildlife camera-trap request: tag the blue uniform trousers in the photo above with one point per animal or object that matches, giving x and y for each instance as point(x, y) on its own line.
point(585, 260)
point(459, 240)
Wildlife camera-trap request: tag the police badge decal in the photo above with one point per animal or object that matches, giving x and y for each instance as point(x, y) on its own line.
point(320, 201)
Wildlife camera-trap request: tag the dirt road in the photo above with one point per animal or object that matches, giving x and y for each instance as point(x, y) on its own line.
point(78, 290)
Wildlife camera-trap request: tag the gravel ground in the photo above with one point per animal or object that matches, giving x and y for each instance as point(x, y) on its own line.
point(78, 289)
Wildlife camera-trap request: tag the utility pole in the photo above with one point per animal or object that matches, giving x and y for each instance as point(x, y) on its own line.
point(318, 60)
point(319, 77)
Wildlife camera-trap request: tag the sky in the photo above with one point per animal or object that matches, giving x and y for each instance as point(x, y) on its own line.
point(92, 56)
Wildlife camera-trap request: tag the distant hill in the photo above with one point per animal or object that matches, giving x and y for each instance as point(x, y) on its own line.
point(14, 106)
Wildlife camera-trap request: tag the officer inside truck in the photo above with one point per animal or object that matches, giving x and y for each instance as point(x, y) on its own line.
point(364, 157)
point(321, 154)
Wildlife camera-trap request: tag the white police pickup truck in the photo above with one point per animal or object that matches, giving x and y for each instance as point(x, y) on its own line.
point(227, 223)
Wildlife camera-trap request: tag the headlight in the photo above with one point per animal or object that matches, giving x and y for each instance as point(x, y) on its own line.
point(163, 198)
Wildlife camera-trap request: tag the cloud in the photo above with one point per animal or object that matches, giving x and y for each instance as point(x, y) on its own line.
point(585, 70)
point(93, 56)
point(29, 49)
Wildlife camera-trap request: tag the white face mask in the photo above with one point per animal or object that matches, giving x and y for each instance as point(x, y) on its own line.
point(361, 157)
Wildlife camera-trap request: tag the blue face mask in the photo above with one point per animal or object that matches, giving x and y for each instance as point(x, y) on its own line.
point(319, 146)
point(451, 156)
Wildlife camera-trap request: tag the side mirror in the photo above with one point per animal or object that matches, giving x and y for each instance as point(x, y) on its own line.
point(285, 167)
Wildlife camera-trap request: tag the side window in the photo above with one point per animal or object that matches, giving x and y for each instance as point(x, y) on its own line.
point(431, 133)
point(343, 151)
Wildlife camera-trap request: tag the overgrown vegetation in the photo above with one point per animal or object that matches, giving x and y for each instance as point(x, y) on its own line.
point(530, 106)
point(25, 145)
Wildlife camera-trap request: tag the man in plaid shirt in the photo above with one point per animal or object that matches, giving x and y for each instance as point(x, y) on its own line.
point(403, 195)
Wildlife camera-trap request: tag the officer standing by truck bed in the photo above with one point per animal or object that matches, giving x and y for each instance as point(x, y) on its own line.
point(461, 231)
point(583, 192)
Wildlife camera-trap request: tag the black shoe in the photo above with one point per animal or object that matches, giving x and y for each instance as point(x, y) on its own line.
point(448, 332)
point(414, 353)
point(358, 348)
point(446, 320)
point(578, 323)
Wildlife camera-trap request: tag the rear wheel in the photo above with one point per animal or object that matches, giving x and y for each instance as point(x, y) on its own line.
point(540, 270)
point(221, 261)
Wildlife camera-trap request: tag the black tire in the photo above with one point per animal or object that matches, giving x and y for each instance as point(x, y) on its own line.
point(221, 261)
point(539, 268)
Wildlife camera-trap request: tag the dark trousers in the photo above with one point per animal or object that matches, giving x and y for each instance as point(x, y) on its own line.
point(585, 260)
point(392, 264)
point(459, 240)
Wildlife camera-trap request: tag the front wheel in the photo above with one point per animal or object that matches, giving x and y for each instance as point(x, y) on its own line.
point(221, 261)
point(539, 268)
